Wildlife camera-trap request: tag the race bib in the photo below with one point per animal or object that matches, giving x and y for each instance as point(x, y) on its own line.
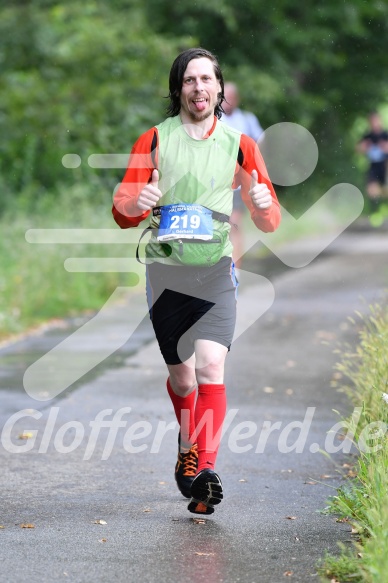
point(185, 221)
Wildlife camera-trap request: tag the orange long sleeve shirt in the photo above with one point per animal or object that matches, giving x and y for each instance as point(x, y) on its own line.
point(143, 160)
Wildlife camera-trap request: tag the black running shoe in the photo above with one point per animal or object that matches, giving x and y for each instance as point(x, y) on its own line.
point(186, 468)
point(206, 492)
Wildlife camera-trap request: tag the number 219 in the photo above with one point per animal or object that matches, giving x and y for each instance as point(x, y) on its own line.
point(195, 221)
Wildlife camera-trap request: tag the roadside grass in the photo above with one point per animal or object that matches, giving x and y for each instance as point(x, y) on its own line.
point(344, 567)
point(34, 285)
point(363, 500)
point(378, 217)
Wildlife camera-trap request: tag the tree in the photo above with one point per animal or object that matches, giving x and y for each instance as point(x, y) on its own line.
point(87, 77)
point(318, 64)
point(78, 78)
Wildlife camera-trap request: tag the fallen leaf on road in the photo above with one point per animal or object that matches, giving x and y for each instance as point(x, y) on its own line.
point(311, 483)
point(242, 480)
point(27, 525)
point(288, 573)
point(162, 483)
point(324, 334)
point(326, 476)
point(291, 517)
point(102, 540)
point(268, 390)
point(25, 435)
point(99, 522)
point(1, 526)
point(204, 554)
point(199, 521)
point(351, 474)
point(359, 555)
point(147, 510)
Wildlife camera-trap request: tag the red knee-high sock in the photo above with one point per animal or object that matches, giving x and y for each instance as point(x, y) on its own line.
point(184, 411)
point(211, 409)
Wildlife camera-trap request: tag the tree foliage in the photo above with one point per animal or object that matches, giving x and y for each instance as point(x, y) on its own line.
point(87, 77)
point(80, 77)
point(318, 64)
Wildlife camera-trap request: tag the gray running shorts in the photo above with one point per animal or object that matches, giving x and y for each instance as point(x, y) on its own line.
point(189, 303)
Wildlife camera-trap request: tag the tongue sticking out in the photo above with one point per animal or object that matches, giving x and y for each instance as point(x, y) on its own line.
point(200, 105)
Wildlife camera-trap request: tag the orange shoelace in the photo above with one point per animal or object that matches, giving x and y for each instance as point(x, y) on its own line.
point(189, 461)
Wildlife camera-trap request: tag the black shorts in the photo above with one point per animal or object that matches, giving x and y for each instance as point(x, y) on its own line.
point(191, 303)
point(377, 173)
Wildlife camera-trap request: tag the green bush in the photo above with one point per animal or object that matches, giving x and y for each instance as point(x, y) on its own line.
point(364, 501)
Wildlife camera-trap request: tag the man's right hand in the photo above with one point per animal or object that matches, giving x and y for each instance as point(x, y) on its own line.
point(259, 192)
point(150, 195)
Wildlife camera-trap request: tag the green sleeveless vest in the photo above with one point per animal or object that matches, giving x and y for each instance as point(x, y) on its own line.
point(195, 172)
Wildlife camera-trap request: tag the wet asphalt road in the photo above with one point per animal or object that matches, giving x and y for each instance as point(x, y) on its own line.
point(268, 528)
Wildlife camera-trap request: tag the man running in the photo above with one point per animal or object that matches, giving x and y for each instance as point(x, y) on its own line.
point(374, 144)
point(181, 173)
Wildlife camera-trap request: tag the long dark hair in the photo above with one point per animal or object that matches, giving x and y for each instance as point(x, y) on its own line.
point(176, 79)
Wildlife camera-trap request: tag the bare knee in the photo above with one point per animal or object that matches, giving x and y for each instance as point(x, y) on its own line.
point(212, 373)
point(182, 379)
point(374, 190)
point(210, 362)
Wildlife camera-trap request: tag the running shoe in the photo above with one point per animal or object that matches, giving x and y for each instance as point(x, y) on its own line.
point(186, 468)
point(206, 492)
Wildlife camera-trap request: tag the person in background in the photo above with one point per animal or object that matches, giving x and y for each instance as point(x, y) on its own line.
point(374, 145)
point(248, 124)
